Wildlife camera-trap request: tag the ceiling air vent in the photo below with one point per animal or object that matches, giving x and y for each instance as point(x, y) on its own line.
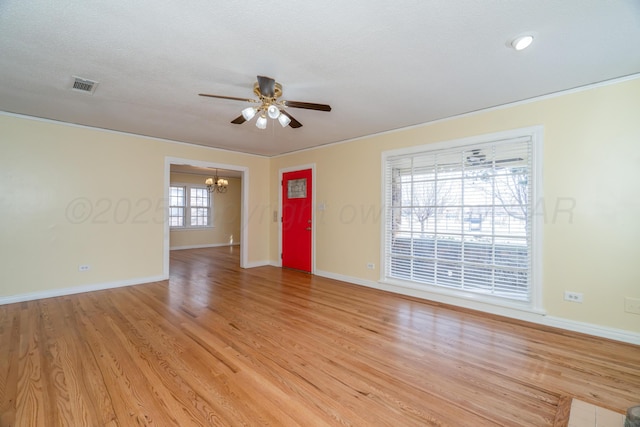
point(84, 85)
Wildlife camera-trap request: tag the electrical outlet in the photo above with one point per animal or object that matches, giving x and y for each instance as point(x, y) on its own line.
point(632, 305)
point(573, 296)
point(84, 267)
point(371, 266)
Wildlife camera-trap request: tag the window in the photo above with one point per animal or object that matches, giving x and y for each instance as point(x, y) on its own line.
point(460, 217)
point(199, 207)
point(193, 211)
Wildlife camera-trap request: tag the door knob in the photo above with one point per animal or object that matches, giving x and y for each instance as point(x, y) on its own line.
point(308, 228)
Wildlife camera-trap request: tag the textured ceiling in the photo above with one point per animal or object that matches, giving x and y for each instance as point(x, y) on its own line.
point(381, 65)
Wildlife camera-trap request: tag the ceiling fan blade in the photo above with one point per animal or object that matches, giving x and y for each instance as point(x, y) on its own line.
point(267, 86)
point(227, 97)
point(293, 123)
point(308, 105)
point(238, 120)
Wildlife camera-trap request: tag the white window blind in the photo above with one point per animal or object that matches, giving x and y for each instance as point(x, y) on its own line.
point(460, 218)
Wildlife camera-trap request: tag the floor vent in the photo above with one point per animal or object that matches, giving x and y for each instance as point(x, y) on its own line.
point(84, 85)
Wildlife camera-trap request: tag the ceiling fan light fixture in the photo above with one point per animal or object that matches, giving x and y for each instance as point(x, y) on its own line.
point(273, 111)
point(284, 120)
point(522, 42)
point(261, 123)
point(248, 113)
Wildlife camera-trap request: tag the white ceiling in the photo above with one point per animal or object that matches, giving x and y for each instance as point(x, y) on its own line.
point(381, 65)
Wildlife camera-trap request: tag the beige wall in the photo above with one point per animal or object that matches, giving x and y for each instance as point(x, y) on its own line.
point(226, 216)
point(591, 158)
point(72, 195)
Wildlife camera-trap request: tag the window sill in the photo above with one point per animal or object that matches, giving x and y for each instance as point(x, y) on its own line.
point(461, 298)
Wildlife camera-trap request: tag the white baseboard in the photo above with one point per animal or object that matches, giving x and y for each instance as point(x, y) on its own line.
point(591, 329)
point(524, 315)
point(78, 289)
point(212, 245)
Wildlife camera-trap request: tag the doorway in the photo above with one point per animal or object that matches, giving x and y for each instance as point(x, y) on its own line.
point(241, 171)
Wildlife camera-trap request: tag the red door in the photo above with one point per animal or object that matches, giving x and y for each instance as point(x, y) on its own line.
point(296, 220)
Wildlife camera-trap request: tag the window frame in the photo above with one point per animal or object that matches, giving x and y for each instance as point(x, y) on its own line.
point(536, 218)
point(188, 207)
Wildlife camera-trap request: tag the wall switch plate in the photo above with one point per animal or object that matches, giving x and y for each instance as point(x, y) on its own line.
point(371, 266)
point(84, 267)
point(573, 296)
point(632, 305)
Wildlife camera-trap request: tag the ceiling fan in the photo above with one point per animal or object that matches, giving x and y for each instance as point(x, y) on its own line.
point(268, 105)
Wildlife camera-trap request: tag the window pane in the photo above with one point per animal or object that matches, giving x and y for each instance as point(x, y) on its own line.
point(176, 195)
point(176, 217)
point(199, 217)
point(424, 271)
point(199, 197)
point(478, 278)
point(449, 274)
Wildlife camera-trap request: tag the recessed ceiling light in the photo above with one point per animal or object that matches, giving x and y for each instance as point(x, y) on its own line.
point(522, 42)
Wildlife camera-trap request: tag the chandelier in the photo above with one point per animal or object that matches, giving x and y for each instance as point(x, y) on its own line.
point(216, 184)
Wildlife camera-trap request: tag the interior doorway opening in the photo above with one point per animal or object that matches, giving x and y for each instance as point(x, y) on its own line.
point(195, 216)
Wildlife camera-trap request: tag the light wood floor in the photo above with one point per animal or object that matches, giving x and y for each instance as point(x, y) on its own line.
point(217, 345)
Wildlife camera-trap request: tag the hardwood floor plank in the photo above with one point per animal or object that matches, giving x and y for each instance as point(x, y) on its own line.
point(219, 345)
point(562, 414)
point(59, 365)
point(153, 366)
point(189, 365)
point(9, 337)
point(132, 394)
point(32, 402)
point(91, 383)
